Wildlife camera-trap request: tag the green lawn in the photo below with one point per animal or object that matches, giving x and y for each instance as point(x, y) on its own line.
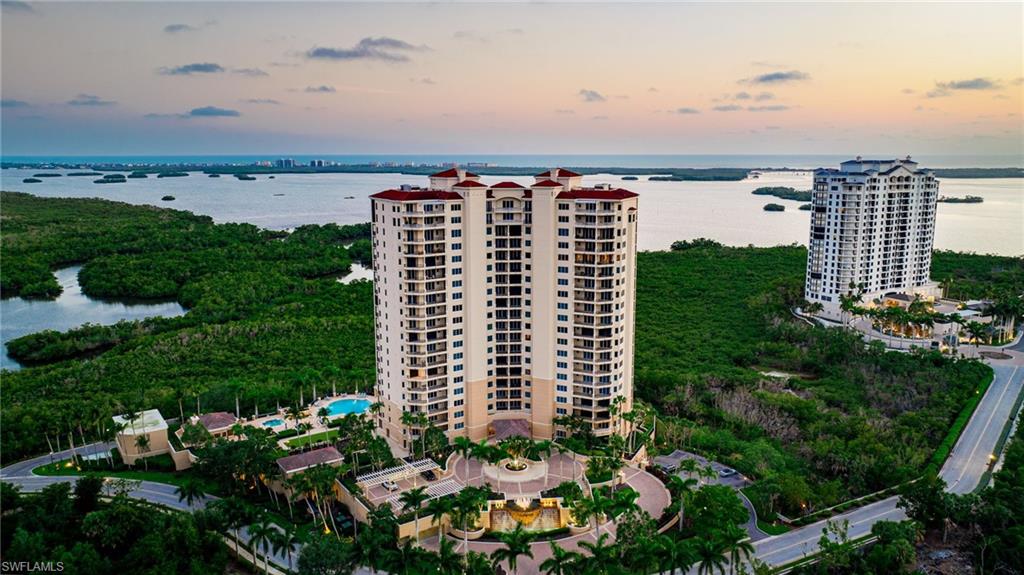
point(175, 478)
point(304, 440)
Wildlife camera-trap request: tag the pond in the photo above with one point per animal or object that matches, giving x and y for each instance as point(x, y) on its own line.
point(71, 309)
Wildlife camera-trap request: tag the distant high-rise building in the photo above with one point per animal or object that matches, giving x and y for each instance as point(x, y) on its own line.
point(285, 163)
point(316, 163)
point(872, 228)
point(501, 307)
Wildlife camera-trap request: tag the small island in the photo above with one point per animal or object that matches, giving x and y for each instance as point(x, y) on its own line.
point(212, 175)
point(79, 174)
point(111, 179)
point(805, 207)
point(784, 193)
point(630, 178)
point(31, 181)
point(46, 175)
point(168, 198)
point(245, 177)
point(172, 175)
point(963, 200)
point(774, 208)
point(138, 175)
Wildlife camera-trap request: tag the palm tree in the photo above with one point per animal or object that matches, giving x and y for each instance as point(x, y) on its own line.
point(561, 562)
point(675, 554)
point(447, 559)
point(679, 488)
point(517, 447)
point(324, 415)
point(142, 443)
point(494, 455)
point(287, 542)
point(596, 506)
point(517, 544)
point(437, 508)
point(236, 513)
point(710, 556)
point(411, 501)
point(261, 536)
point(294, 413)
point(976, 330)
point(736, 544)
point(464, 447)
point(190, 491)
point(602, 555)
point(466, 511)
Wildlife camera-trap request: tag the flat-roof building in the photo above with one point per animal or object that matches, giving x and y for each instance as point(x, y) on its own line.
point(503, 305)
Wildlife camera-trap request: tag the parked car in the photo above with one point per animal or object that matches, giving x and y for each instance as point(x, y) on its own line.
point(428, 475)
point(390, 485)
point(726, 472)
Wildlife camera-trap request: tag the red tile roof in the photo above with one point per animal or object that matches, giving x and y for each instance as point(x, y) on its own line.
point(595, 194)
point(559, 173)
point(547, 184)
point(415, 195)
point(452, 173)
point(217, 420)
point(469, 184)
point(507, 185)
point(301, 461)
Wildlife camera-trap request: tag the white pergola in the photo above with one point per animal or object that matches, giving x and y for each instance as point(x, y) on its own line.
point(396, 473)
point(439, 489)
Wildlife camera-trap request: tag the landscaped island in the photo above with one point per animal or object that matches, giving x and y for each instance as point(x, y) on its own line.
point(774, 208)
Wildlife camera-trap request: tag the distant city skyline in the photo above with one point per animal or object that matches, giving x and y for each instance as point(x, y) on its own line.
point(89, 78)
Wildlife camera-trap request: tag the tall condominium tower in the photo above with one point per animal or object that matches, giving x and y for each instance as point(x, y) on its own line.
point(501, 307)
point(872, 226)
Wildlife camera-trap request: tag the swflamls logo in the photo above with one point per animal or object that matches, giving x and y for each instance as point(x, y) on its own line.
point(31, 566)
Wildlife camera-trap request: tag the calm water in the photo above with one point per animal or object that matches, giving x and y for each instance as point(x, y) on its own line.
point(20, 317)
point(670, 211)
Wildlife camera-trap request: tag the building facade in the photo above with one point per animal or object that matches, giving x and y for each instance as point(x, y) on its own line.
point(503, 305)
point(872, 227)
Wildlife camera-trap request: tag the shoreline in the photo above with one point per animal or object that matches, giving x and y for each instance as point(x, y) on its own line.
point(675, 174)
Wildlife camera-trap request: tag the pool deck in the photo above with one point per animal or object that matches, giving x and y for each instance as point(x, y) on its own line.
point(309, 417)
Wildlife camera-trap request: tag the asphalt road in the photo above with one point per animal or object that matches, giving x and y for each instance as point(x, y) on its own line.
point(962, 472)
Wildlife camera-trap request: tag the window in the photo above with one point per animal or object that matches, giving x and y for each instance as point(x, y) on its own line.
point(457, 295)
point(459, 425)
point(561, 399)
point(563, 269)
point(457, 220)
point(563, 317)
point(563, 282)
point(561, 387)
point(563, 365)
point(563, 377)
point(456, 246)
point(456, 233)
point(457, 283)
point(563, 305)
point(563, 232)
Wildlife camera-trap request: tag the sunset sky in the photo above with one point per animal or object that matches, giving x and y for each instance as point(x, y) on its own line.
point(241, 78)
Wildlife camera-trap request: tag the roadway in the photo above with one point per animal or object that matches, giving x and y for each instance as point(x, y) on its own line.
point(962, 471)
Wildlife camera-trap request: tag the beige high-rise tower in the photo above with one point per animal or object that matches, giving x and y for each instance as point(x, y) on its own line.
point(501, 307)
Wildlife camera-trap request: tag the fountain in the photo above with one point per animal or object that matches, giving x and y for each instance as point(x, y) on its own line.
point(532, 514)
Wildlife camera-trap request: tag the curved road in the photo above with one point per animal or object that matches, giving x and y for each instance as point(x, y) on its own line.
point(962, 472)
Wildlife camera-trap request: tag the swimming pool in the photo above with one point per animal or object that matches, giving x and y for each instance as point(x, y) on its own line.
point(273, 422)
point(347, 406)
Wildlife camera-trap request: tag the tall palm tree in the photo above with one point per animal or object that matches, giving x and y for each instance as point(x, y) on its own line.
point(411, 501)
point(190, 491)
point(561, 562)
point(675, 554)
point(466, 511)
point(603, 556)
point(436, 509)
point(236, 513)
point(517, 544)
point(736, 544)
point(679, 488)
point(261, 536)
point(710, 556)
point(447, 559)
point(142, 443)
point(287, 542)
point(464, 447)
